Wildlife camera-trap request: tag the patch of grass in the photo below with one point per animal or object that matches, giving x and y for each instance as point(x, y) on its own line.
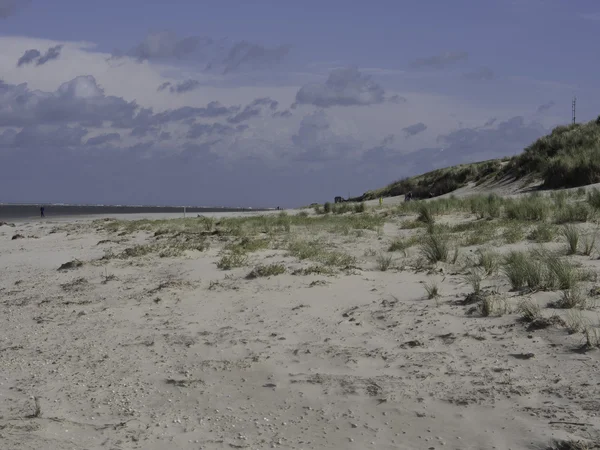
point(578, 212)
point(530, 208)
point(432, 290)
point(592, 336)
point(571, 234)
point(513, 233)
point(315, 270)
point(589, 243)
point(426, 215)
point(571, 298)
point(562, 274)
point(488, 260)
point(575, 321)
point(524, 269)
point(315, 251)
point(248, 245)
point(474, 278)
point(266, 271)
point(544, 232)
point(479, 237)
point(232, 260)
point(384, 262)
point(593, 198)
point(434, 248)
point(492, 305)
point(529, 311)
point(401, 245)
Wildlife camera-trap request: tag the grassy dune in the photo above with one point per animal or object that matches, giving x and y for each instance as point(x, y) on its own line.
point(568, 157)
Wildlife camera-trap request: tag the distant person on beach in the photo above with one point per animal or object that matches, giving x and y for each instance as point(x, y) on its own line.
point(42, 209)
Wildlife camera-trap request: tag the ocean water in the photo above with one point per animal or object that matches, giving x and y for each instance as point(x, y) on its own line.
point(30, 211)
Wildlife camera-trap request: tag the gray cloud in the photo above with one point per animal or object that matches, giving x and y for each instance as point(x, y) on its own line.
point(490, 122)
point(482, 74)
point(415, 129)
point(103, 139)
point(317, 142)
point(51, 54)
point(284, 114)
point(246, 53)
point(200, 129)
point(49, 136)
point(181, 87)
point(216, 54)
point(212, 110)
point(397, 99)
point(35, 55)
point(545, 107)
point(471, 144)
point(388, 140)
point(254, 109)
point(344, 87)
point(440, 61)
point(28, 57)
point(80, 100)
point(10, 7)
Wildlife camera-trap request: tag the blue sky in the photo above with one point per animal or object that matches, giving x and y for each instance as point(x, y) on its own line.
point(270, 103)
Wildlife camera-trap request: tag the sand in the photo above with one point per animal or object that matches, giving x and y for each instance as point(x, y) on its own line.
point(174, 353)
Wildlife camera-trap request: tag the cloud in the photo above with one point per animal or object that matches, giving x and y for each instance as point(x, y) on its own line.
point(477, 144)
point(52, 53)
point(103, 139)
point(80, 100)
point(415, 129)
point(482, 74)
point(219, 54)
point(316, 140)
point(254, 109)
point(344, 87)
point(28, 57)
point(49, 136)
point(282, 114)
point(397, 99)
point(35, 55)
point(181, 87)
point(545, 107)
point(10, 7)
point(440, 61)
point(200, 129)
point(388, 140)
point(246, 53)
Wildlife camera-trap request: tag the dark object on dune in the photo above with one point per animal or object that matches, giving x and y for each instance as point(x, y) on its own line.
point(71, 265)
point(18, 236)
point(408, 197)
point(339, 199)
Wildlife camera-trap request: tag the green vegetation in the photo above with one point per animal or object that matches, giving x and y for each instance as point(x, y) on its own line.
point(266, 271)
point(434, 247)
point(568, 157)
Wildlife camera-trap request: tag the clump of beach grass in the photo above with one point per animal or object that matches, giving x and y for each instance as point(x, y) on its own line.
point(488, 260)
point(434, 247)
point(571, 234)
point(432, 290)
point(269, 270)
point(232, 260)
point(384, 262)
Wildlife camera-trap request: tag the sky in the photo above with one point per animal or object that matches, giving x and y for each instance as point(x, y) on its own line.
point(277, 103)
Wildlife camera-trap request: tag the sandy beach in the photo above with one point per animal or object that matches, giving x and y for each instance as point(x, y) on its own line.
point(296, 331)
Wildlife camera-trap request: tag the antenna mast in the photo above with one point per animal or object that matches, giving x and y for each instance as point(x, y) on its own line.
point(574, 106)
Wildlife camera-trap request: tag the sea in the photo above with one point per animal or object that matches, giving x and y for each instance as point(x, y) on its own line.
point(10, 211)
